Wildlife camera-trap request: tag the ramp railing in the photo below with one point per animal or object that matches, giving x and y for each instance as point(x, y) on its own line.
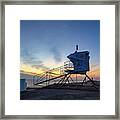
point(53, 75)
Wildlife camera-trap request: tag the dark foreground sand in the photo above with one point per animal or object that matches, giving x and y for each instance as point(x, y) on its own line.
point(62, 93)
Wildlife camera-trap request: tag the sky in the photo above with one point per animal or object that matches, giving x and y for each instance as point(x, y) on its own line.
point(45, 44)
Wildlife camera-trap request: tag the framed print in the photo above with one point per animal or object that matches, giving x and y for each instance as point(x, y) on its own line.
point(60, 60)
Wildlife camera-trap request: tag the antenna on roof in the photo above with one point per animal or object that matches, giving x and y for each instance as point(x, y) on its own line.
point(76, 47)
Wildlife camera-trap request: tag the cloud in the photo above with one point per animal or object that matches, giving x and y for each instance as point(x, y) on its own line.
point(26, 56)
point(29, 59)
point(56, 54)
point(36, 63)
point(39, 66)
point(26, 72)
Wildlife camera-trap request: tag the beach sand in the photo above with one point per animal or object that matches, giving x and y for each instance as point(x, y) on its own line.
point(64, 92)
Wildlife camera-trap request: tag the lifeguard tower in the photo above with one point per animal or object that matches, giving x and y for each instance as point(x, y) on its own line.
point(80, 61)
point(78, 64)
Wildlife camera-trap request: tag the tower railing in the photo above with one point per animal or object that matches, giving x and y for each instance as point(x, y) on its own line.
point(68, 65)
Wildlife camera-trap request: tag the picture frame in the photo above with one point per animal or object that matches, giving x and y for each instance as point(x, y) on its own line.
point(2, 67)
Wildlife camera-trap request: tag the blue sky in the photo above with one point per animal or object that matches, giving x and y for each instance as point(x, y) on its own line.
point(43, 41)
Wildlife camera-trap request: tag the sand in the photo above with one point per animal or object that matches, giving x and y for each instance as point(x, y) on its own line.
point(62, 92)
